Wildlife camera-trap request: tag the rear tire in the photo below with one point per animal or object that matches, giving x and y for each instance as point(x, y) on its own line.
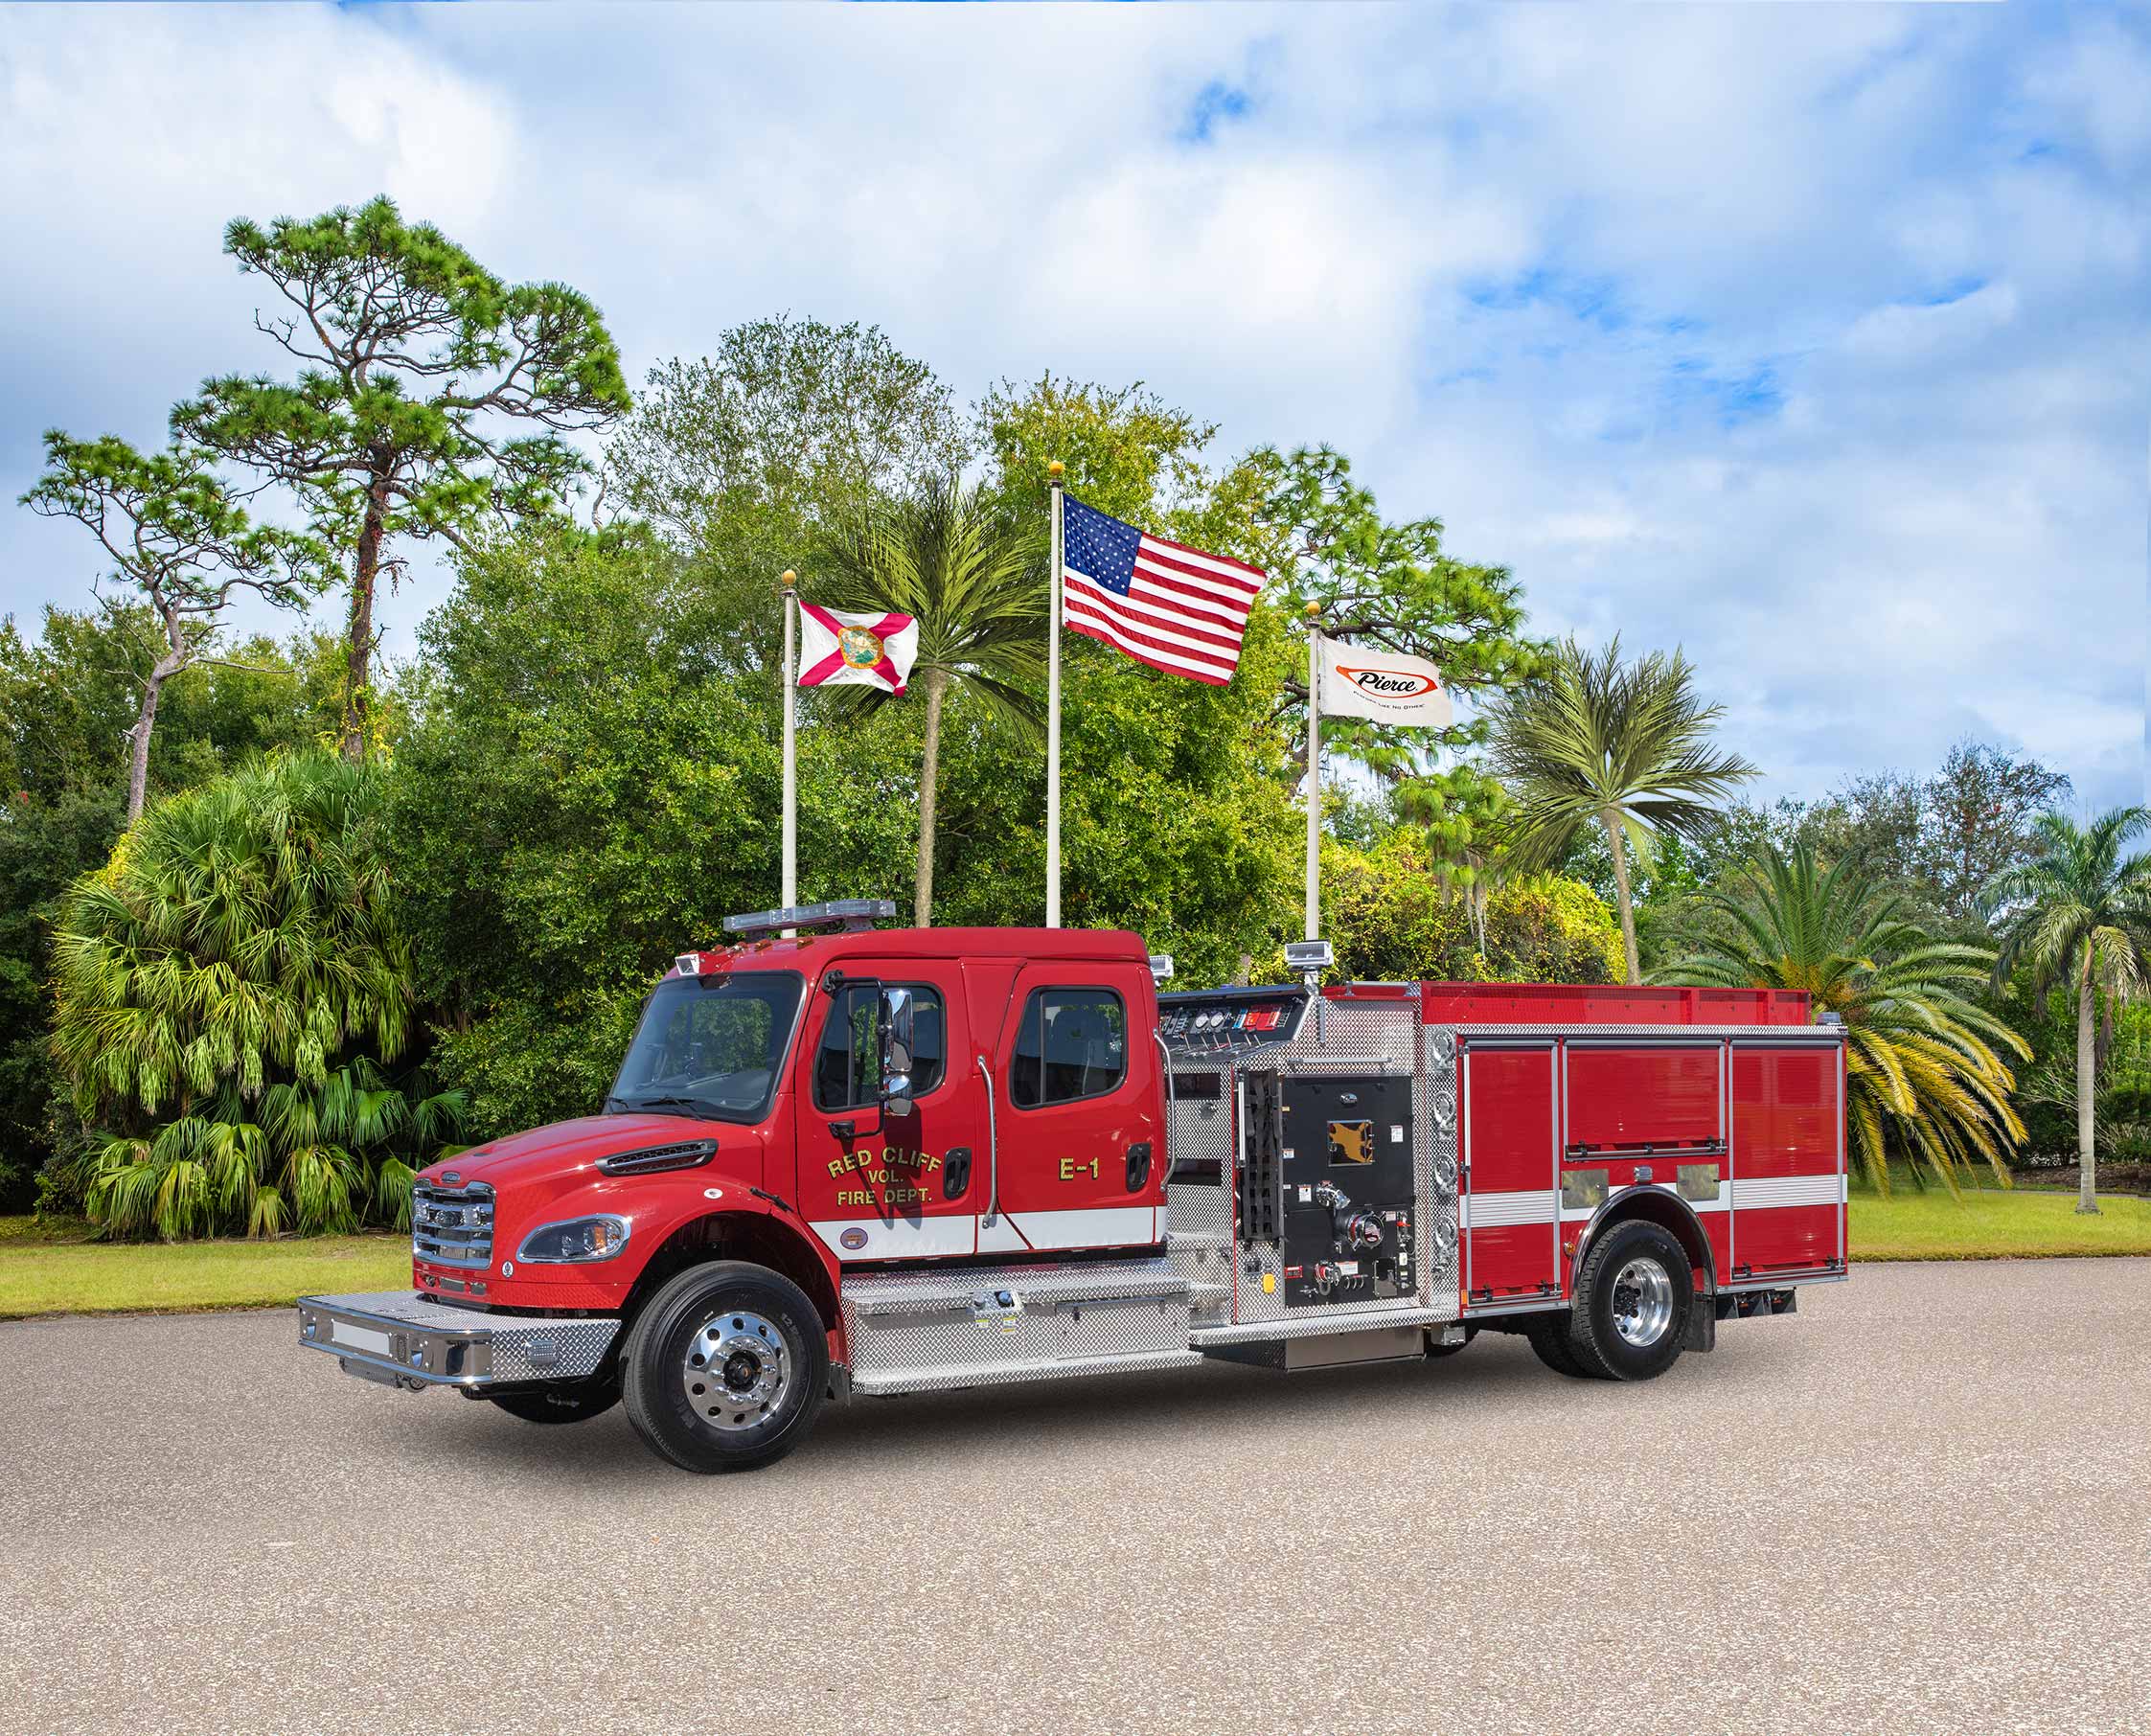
point(571, 1404)
point(1633, 1294)
point(724, 1368)
point(1548, 1336)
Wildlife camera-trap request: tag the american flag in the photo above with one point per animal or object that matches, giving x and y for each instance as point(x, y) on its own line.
point(1164, 603)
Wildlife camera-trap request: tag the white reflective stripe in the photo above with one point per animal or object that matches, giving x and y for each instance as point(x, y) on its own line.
point(1789, 1190)
point(899, 1239)
point(1490, 1211)
point(996, 1235)
point(1108, 1227)
point(1012, 1232)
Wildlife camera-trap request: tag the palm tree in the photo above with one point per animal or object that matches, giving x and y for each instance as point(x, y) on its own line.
point(1626, 746)
point(1920, 1065)
point(225, 993)
point(2080, 913)
point(980, 599)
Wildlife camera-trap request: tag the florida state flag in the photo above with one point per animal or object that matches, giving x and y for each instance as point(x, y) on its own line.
point(838, 647)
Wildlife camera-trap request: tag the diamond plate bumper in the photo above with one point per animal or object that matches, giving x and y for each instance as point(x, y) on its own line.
point(405, 1340)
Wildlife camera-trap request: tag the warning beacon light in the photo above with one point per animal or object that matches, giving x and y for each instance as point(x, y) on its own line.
point(850, 914)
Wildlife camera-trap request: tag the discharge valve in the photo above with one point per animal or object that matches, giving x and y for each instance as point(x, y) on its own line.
point(1355, 1229)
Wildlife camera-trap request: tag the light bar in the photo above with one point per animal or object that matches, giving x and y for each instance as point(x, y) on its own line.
point(850, 914)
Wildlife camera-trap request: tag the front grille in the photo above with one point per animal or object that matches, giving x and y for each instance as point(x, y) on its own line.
point(452, 1225)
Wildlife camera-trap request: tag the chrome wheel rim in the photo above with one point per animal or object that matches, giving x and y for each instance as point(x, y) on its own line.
point(1642, 1302)
point(736, 1371)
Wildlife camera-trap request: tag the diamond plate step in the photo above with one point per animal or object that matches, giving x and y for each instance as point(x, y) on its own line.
point(918, 1332)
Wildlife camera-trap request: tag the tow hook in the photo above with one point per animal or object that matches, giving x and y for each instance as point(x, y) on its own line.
point(382, 1377)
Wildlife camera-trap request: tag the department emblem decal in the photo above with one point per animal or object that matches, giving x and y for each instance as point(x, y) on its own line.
point(854, 1238)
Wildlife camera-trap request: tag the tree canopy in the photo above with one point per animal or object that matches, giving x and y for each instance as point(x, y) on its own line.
point(180, 542)
point(1622, 746)
point(416, 367)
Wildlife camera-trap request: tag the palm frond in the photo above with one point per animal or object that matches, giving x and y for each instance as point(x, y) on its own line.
point(1923, 1076)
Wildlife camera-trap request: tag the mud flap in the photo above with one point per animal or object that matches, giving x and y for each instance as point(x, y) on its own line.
point(1702, 1331)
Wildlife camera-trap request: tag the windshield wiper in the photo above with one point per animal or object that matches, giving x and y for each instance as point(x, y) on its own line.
point(668, 1104)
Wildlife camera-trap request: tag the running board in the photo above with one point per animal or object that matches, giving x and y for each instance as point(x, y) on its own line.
point(984, 1326)
point(1317, 1324)
point(955, 1374)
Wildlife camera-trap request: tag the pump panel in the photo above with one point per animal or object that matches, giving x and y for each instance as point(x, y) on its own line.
point(1348, 1190)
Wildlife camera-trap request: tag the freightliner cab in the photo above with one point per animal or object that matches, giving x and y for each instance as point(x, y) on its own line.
point(842, 1162)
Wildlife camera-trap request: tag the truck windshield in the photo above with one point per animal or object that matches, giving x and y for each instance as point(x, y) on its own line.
point(710, 1046)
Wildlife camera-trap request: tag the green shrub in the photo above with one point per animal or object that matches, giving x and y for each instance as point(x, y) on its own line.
point(1393, 917)
point(230, 989)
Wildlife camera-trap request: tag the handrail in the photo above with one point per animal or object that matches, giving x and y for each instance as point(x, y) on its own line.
point(1172, 1100)
point(992, 1147)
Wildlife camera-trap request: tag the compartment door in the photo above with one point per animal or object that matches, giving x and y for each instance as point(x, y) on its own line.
point(1788, 1158)
point(1510, 1202)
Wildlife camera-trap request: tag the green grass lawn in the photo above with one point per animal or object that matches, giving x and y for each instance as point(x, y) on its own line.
point(44, 1272)
point(49, 1269)
point(1992, 1223)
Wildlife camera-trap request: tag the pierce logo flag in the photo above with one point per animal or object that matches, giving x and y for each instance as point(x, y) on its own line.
point(1387, 687)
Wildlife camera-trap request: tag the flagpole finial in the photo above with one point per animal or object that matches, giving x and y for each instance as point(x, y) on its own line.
point(789, 579)
point(1314, 609)
point(1055, 468)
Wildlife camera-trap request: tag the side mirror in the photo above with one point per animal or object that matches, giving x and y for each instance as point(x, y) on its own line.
point(893, 1025)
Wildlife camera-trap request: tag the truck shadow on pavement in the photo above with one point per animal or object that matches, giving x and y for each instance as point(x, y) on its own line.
point(1150, 1414)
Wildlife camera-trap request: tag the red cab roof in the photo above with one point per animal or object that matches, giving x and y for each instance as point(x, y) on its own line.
point(811, 952)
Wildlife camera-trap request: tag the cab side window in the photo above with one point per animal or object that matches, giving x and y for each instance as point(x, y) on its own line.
point(1072, 1043)
point(848, 1064)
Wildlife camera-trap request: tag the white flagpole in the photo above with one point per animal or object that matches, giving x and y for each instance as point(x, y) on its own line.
point(789, 896)
point(1053, 717)
point(1313, 774)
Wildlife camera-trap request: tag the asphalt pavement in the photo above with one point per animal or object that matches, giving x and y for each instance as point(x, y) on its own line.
point(1922, 1504)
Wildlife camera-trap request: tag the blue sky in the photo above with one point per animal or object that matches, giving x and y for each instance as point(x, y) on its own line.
point(1814, 340)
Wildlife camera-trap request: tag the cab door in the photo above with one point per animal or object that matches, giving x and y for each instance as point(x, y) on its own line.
point(1081, 1149)
point(893, 1187)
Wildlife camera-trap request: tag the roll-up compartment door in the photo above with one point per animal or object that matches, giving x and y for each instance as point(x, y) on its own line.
point(1511, 1206)
point(1649, 1094)
point(1788, 1158)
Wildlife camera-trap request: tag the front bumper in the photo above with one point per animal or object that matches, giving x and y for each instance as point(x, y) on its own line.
point(405, 1340)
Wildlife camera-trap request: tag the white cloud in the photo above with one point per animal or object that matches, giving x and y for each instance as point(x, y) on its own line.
point(1813, 340)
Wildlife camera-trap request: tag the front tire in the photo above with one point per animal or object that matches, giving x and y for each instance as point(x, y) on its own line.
point(724, 1368)
point(1633, 1295)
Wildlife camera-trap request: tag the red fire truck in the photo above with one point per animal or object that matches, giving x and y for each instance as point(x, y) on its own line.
point(842, 1162)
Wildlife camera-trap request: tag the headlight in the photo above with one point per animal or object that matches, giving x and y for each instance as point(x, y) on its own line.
point(577, 1242)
